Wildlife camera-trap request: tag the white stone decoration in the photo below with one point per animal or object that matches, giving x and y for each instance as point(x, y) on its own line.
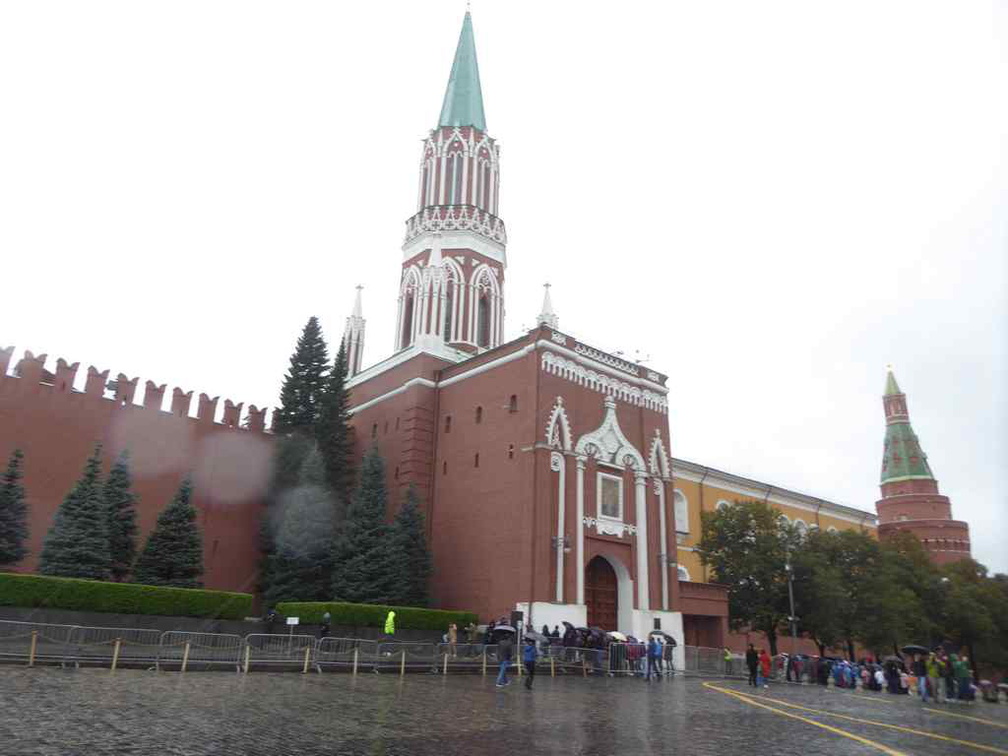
point(608, 444)
point(576, 373)
point(605, 359)
point(558, 338)
point(609, 527)
point(557, 465)
point(558, 429)
point(658, 458)
point(653, 376)
point(456, 218)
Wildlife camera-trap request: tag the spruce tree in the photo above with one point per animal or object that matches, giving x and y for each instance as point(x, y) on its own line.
point(334, 436)
point(77, 544)
point(363, 559)
point(301, 563)
point(120, 506)
point(173, 554)
point(13, 512)
point(413, 561)
point(304, 384)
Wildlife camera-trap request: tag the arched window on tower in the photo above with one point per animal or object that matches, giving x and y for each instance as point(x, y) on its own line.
point(485, 200)
point(449, 180)
point(483, 321)
point(449, 305)
point(456, 184)
point(424, 183)
point(407, 322)
point(681, 509)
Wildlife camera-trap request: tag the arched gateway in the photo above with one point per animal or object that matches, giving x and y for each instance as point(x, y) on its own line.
point(601, 594)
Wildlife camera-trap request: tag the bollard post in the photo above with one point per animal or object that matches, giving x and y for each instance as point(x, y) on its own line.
point(307, 653)
point(402, 664)
point(34, 646)
point(484, 662)
point(185, 656)
point(519, 665)
point(355, 651)
point(248, 656)
point(552, 666)
point(445, 670)
point(584, 669)
point(115, 653)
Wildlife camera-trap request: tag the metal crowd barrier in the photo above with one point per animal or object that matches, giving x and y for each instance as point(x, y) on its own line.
point(203, 649)
point(345, 653)
point(405, 657)
point(284, 650)
point(120, 644)
point(34, 641)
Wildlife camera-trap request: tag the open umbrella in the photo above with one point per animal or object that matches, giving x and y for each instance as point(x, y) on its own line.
point(913, 649)
point(537, 637)
point(567, 624)
point(617, 636)
point(503, 629)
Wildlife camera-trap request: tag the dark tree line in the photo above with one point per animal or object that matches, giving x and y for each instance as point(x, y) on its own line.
point(851, 589)
point(323, 537)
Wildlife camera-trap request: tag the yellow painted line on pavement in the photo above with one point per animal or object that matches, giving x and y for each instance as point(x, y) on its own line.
point(901, 728)
point(834, 730)
point(963, 716)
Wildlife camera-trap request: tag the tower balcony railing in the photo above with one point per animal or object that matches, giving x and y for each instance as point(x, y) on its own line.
point(456, 218)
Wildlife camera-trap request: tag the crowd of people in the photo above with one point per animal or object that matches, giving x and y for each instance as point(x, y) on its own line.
point(935, 676)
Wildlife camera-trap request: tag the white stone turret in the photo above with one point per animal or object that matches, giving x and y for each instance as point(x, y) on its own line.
point(353, 337)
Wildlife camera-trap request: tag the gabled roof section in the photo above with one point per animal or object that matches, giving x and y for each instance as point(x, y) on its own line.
point(463, 100)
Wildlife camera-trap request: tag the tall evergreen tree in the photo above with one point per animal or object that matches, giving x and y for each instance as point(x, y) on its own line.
point(77, 544)
point(173, 554)
point(363, 558)
point(120, 505)
point(304, 384)
point(301, 564)
point(335, 438)
point(413, 560)
point(13, 512)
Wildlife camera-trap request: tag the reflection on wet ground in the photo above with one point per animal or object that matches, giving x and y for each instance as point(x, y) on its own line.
point(93, 712)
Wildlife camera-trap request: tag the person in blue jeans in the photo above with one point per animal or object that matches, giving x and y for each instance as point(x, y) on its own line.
point(653, 655)
point(529, 654)
point(505, 647)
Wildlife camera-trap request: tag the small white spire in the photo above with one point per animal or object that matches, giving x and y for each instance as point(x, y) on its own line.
point(353, 336)
point(547, 317)
point(357, 310)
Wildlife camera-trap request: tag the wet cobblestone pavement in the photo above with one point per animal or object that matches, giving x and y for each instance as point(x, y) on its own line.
point(92, 712)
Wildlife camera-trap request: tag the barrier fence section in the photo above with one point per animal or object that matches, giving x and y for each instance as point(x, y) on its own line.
point(34, 641)
point(201, 649)
point(345, 653)
point(456, 657)
point(263, 649)
point(122, 644)
point(402, 657)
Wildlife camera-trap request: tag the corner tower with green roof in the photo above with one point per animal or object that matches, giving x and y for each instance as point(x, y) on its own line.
point(910, 497)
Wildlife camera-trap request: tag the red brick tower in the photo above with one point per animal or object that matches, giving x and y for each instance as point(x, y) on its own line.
point(910, 498)
point(451, 295)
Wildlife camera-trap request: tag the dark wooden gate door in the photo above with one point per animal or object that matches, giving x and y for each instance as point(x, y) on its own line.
point(600, 594)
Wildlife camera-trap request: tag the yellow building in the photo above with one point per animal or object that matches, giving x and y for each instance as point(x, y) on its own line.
point(698, 488)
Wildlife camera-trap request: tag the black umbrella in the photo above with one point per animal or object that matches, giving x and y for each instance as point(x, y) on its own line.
point(567, 624)
point(503, 629)
point(912, 649)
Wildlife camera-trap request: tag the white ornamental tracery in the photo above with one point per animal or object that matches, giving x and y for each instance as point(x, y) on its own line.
point(558, 430)
point(609, 445)
point(576, 373)
point(659, 466)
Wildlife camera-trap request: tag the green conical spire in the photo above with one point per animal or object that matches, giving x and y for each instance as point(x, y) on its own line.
point(891, 387)
point(903, 458)
point(463, 100)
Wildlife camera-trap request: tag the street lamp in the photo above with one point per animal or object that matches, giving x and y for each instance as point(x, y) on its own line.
point(792, 620)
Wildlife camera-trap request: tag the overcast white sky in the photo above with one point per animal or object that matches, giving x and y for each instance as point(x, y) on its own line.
point(772, 200)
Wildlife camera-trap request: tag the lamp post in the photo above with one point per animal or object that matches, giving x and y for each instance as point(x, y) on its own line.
point(792, 620)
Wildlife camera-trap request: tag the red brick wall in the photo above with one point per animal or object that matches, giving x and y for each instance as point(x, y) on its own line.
point(57, 430)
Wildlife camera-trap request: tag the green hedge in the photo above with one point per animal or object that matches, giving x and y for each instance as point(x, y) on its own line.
point(125, 598)
point(373, 615)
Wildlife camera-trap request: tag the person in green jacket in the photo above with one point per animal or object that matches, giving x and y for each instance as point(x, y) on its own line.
point(934, 676)
point(963, 677)
point(390, 623)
